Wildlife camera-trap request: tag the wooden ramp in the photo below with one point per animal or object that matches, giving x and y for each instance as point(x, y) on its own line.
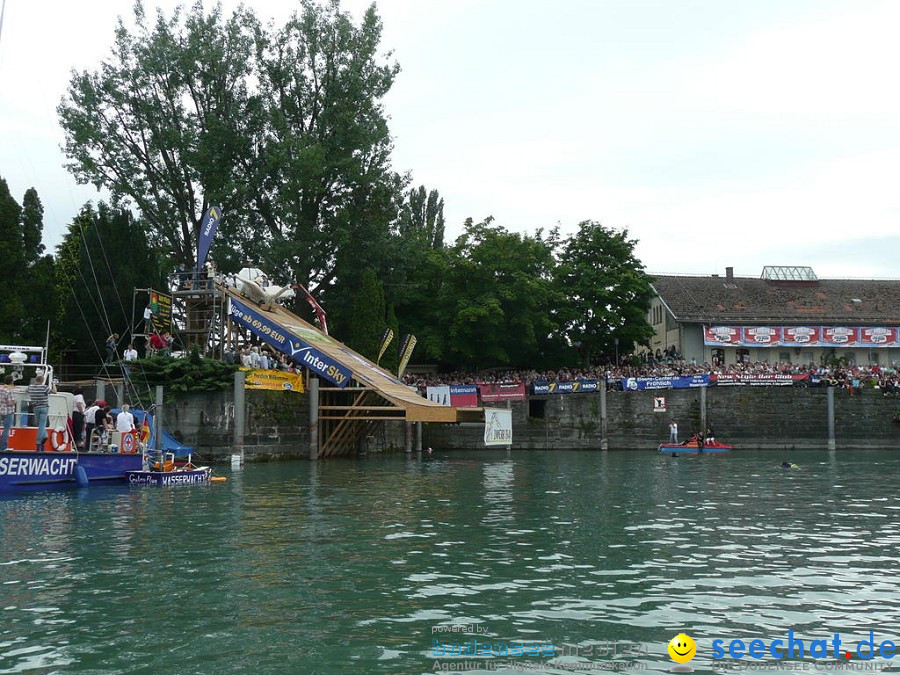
point(355, 394)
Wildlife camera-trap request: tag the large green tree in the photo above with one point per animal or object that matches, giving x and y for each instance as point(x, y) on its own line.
point(419, 261)
point(282, 126)
point(167, 122)
point(326, 188)
point(605, 291)
point(12, 268)
point(368, 322)
point(38, 290)
point(104, 256)
point(497, 298)
point(32, 226)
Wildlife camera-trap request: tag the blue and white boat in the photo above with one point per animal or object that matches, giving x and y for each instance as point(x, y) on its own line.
point(61, 465)
point(168, 473)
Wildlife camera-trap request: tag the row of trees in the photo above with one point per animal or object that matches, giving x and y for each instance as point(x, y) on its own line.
point(492, 298)
point(284, 127)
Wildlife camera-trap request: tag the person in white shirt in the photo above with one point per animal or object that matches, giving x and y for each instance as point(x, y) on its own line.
point(78, 417)
point(130, 353)
point(125, 420)
point(90, 419)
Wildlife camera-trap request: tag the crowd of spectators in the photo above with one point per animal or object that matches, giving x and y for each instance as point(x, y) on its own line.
point(851, 377)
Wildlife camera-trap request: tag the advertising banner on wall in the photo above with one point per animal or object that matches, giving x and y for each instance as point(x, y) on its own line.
point(877, 337)
point(673, 382)
point(762, 336)
point(764, 379)
point(722, 335)
point(273, 380)
point(440, 395)
point(567, 387)
point(464, 395)
point(491, 393)
point(801, 336)
point(497, 426)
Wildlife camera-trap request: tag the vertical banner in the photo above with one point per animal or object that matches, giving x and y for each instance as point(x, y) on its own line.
point(385, 341)
point(409, 343)
point(497, 426)
point(207, 232)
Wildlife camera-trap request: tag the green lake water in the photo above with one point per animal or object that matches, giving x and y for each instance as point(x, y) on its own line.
point(358, 566)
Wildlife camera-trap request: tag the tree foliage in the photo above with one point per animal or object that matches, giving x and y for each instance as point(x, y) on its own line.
point(281, 126)
point(498, 296)
point(32, 227)
point(284, 127)
point(167, 122)
point(103, 257)
point(368, 322)
point(607, 293)
point(180, 375)
point(11, 271)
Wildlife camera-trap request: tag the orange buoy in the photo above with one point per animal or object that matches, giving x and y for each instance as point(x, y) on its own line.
point(218, 479)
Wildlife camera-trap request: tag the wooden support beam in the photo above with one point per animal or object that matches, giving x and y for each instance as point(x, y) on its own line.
point(367, 419)
point(391, 408)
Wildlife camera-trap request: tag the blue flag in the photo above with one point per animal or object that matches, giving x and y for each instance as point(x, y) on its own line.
point(207, 232)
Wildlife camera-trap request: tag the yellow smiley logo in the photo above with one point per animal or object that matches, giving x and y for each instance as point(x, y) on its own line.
point(682, 648)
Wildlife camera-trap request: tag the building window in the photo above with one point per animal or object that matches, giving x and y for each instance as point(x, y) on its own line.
point(718, 357)
point(874, 357)
point(784, 356)
point(849, 358)
point(743, 356)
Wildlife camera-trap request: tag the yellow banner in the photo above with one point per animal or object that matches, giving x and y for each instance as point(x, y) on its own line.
point(406, 352)
point(275, 380)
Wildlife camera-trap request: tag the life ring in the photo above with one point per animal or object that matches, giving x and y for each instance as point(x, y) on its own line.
point(58, 439)
point(128, 444)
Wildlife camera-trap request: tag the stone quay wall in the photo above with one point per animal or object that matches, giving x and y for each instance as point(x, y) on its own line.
point(277, 423)
point(748, 417)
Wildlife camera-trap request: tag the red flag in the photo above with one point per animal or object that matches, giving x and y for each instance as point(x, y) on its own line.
point(145, 430)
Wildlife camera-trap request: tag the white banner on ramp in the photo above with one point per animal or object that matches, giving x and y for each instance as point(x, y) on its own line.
point(497, 426)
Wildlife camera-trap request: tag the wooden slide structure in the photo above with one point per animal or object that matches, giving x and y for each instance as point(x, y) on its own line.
point(355, 395)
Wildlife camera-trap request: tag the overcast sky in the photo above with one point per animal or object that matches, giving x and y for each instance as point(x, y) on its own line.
point(718, 133)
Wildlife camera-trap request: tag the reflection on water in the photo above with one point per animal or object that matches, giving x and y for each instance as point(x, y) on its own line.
point(358, 566)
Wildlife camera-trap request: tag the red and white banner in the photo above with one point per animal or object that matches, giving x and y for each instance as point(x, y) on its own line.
point(762, 336)
point(875, 337)
point(722, 335)
point(839, 336)
point(801, 336)
point(502, 392)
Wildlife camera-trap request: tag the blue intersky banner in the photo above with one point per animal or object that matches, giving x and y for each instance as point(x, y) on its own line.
point(207, 232)
point(673, 382)
point(288, 343)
